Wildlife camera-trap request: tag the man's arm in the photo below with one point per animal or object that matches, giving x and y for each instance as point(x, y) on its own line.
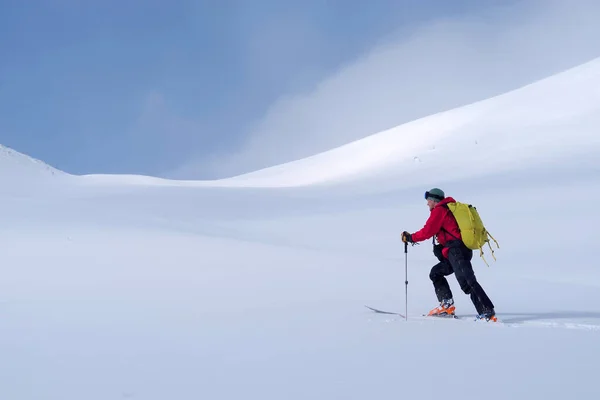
point(432, 226)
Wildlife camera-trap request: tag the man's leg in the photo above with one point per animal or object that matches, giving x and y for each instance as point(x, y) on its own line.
point(440, 283)
point(460, 258)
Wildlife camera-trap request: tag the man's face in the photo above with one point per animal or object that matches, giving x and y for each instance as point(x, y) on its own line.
point(431, 204)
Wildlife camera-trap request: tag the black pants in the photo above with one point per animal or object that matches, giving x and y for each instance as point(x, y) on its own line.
point(459, 263)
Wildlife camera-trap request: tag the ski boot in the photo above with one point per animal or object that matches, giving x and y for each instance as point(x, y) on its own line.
point(488, 316)
point(446, 308)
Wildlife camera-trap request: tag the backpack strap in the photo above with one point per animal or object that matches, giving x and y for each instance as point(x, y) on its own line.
point(445, 230)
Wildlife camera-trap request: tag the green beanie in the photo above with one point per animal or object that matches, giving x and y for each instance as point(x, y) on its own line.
point(435, 194)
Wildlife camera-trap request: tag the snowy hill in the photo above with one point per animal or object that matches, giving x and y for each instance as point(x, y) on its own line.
point(555, 119)
point(130, 287)
point(18, 166)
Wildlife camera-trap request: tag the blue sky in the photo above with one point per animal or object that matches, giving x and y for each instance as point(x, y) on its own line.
point(204, 89)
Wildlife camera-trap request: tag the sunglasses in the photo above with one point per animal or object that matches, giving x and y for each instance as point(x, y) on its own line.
point(435, 196)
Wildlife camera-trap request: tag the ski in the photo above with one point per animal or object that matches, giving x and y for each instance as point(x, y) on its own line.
point(379, 311)
point(443, 316)
point(403, 316)
point(425, 316)
point(385, 312)
point(458, 317)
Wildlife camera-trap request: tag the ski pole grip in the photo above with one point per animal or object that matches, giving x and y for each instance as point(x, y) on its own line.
point(406, 247)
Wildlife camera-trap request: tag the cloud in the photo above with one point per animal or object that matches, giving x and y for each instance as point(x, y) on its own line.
point(444, 64)
point(161, 135)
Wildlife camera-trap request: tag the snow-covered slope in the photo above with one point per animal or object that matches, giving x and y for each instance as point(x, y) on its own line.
point(555, 118)
point(18, 166)
point(22, 175)
point(120, 287)
point(549, 121)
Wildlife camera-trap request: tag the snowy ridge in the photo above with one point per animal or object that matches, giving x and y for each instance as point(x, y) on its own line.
point(17, 166)
point(554, 117)
point(499, 133)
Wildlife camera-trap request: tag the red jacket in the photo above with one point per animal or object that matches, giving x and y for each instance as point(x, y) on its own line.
point(440, 223)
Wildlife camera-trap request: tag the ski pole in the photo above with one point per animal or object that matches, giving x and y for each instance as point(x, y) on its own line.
point(406, 280)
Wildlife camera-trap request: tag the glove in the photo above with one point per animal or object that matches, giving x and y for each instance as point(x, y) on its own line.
point(407, 237)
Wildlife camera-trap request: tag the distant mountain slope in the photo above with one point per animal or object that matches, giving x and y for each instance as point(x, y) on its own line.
point(546, 123)
point(18, 166)
point(548, 120)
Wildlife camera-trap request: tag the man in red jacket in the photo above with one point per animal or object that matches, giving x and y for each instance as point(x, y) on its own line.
point(454, 257)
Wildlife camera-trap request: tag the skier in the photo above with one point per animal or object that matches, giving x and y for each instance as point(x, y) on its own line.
point(454, 257)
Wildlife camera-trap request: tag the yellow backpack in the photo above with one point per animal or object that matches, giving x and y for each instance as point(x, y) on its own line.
point(471, 227)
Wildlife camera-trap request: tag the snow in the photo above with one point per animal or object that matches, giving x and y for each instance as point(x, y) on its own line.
point(555, 117)
point(254, 287)
point(19, 170)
